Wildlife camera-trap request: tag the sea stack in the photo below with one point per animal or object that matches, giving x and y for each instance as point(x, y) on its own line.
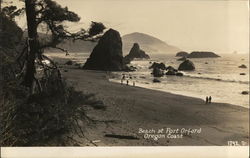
point(107, 54)
point(197, 54)
point(187, 65)
point(135, 52)
point(182, 54)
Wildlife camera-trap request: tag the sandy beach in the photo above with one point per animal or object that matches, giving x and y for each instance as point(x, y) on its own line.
point(132, 111)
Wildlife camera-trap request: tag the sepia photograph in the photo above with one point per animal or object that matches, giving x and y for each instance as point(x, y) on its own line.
point(124, 73)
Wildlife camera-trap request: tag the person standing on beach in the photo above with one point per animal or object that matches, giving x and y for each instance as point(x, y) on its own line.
point(127, 82)
point(123, 78)
point(206, 99)
point(131, 78)
point(210, 99)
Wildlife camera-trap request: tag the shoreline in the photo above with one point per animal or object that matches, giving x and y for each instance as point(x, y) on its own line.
point(130, 108)
point(174, 93)
point(239, 99)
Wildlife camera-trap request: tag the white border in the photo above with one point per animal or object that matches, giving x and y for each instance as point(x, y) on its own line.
point(127, 152)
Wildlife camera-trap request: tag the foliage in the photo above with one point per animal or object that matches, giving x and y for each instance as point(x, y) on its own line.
point(96, 28)
point(12, 11)
point(51, 111)
point(52, 16)
point(48, 14)
point(39, 119)
point(10, 33)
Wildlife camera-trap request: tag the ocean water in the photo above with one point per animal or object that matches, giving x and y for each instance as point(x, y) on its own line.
point(216, 77)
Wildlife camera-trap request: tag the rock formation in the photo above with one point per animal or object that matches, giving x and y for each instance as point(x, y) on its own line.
point(245, 92)
point(129, 68)
point(179, 74)
point(158, 65)
point(187, 65)
point(159, 69)
point(158, 72)
point(171, 70)
point(243, 66)
point(202, 55)
point(181, 54)
point(155, 80)
point(107, 54)
point(135, 52)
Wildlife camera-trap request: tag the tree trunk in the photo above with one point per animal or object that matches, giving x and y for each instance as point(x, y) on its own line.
point(33, 43)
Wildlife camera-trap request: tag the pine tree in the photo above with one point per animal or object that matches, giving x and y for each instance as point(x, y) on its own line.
point(48, 14)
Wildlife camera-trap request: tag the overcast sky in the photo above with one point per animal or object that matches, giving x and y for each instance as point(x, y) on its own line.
point(214, 25)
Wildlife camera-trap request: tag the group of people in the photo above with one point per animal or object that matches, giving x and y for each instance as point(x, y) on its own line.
point(208, 99)
point(127, 78)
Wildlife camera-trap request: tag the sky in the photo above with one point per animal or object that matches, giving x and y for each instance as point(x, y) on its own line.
point(203, 25)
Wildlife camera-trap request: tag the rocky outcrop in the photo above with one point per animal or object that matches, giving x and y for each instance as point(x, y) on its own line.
point(107, 54)
point(135, 52)
point(179, 74)
point(155, 80)
point(129, 68)
point(187, 65)
point(158, 72)
point(171, 70)
point(245, 92)
point(160, 69)
point(158, 65)
point(181, 54)
point(243, 66)
point(197, 54)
